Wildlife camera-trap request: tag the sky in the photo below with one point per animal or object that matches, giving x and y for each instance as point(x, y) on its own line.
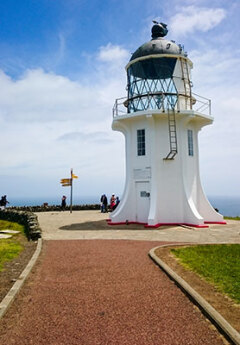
point(62, 65)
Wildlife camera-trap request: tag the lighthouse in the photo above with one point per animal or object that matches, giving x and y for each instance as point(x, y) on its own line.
point(160, 119)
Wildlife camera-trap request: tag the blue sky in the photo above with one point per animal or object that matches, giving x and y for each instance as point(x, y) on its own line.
point(62, 67)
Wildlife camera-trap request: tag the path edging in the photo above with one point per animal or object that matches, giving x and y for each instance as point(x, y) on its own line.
point(9, 298)
point(230, 332)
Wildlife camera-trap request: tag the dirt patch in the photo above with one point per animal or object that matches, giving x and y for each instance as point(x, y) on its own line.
point(14, 268)
point(222, 303)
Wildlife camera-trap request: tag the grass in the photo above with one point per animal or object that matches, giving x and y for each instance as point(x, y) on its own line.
point(9, 248)
point(233, 218)
point(4, 224)
point(218, 264)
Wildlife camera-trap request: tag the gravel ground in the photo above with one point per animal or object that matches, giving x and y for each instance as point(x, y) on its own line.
point(94, 292)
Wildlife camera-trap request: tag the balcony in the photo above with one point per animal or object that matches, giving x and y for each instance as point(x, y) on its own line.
point(163, 102)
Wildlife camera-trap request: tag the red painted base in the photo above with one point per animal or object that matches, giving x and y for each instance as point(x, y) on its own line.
point(224, 223)
point(171, 224)
point(163, 224)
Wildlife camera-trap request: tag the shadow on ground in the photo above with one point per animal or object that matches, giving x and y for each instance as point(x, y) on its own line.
point(103, 225)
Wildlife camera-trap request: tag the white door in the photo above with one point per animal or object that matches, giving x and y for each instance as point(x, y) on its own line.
point(142, 201)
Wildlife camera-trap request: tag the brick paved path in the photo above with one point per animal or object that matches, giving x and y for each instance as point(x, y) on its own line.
point(106, 292)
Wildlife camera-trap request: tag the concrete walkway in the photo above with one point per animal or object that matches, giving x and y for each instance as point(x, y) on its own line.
point(92, 225)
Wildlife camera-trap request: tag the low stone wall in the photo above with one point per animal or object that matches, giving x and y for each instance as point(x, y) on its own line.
point(28, 219)
point(54, 208)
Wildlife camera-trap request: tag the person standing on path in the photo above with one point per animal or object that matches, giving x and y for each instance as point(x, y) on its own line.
point(112, 202)
point(3, 202)
point(63, 205)
point(116, 203)
point(104, 203)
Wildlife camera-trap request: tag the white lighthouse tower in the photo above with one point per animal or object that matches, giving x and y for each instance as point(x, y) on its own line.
point(160, 119)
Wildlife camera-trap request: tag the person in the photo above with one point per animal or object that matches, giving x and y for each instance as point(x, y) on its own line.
point(104, 203)
point(3, 202)
point(101, 203)
point(112, 202)
point(117, 201)
point(63, 202)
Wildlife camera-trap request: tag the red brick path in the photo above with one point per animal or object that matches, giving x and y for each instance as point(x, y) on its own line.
point(105, 292)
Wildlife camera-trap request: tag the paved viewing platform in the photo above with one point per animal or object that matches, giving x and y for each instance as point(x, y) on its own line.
point(93, 225)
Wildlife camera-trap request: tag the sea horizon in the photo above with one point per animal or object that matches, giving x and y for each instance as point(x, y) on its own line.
point(226, 205)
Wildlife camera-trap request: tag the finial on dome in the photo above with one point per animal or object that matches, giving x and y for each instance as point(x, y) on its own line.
point(159, 30)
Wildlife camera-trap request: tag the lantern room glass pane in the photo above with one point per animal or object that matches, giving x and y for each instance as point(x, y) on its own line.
point(150, 85)
point(154, 68)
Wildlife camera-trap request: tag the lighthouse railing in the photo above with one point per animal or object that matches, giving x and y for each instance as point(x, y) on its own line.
point(202, 105)
point(120, 107)
point(198, 103)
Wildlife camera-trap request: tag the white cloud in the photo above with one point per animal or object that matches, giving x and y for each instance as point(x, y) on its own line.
point(49, 123)
point(112, 53)
point(61, 50)
point(192, 18)
point(45, 97)
point(95, 137)
point(40, 96)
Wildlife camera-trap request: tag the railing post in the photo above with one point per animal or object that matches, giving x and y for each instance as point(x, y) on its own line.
point(115, 109)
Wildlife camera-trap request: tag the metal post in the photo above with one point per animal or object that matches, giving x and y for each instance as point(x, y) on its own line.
point(71, 191)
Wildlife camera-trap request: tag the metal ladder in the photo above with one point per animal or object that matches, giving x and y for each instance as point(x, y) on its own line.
point(186, 82)
point(172, 134)
point(171, 110)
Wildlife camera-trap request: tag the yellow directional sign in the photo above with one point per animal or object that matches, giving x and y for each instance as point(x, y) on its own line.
point(66, 184)
point(65, 180)
point(74, 176)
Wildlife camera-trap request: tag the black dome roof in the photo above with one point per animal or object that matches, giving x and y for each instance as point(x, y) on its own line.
point(158, 45)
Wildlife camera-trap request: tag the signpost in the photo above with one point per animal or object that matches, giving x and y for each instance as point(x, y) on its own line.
point(68, 182)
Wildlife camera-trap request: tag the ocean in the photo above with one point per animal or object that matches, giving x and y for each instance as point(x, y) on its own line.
point(228, 206)
point(85, 200)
